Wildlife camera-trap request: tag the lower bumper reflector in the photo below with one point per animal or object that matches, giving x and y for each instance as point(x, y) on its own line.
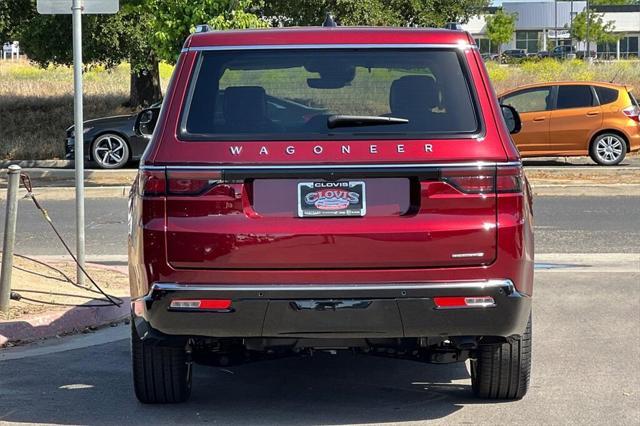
point(464, 302)
point(203, 304)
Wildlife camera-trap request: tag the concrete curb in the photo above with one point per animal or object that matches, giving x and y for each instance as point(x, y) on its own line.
point(56, 323)
point(64, 321)
point(38, 163)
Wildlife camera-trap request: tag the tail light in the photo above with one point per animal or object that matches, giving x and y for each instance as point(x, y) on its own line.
point(633, 112)
point(179, 182)
point(191, 182)
point(485, 181)
point(456, 302)
point(152, 182)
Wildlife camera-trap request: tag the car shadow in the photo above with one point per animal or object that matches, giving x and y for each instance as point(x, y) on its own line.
point(93, 385)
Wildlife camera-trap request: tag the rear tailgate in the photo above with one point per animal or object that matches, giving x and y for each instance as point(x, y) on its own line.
point(414, 217)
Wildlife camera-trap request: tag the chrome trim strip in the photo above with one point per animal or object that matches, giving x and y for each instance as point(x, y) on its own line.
point(477, 285)
point(333, 46)
point(479, 164)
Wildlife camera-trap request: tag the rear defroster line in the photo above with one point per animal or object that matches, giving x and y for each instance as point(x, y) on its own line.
point(109, 299)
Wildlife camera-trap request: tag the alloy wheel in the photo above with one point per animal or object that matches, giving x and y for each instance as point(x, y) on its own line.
point(110, 151)
point(609, 148)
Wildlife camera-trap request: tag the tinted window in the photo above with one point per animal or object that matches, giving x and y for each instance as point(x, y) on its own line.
point(529, 100)
point(574, 97)
point(291, 93)
point(606, 95)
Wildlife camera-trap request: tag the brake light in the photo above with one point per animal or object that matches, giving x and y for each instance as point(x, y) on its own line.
point(485, 181)
point(192, 182)
point(471, 181)
point(509, 180)
point(152, 182)
point(201, 304)
point(633, 112)
point(178, 182)
point(452, 302)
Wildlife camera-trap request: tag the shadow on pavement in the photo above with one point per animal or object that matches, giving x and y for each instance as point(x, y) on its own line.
point(93, 385)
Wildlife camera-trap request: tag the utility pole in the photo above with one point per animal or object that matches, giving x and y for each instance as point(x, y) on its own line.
point(571, 23)
point(555, 25)
point(76, 13)
point(587, 56)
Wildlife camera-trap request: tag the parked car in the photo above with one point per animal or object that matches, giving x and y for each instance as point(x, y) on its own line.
point(395, 220)
point(563, 52)
point(576, 118)
point(110, 142)
point(513, 55)
point(490, 56)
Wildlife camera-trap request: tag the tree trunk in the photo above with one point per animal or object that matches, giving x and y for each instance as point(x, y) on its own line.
point(145, 86)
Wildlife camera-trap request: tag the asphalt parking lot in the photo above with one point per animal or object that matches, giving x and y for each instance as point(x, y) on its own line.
point(586, 370)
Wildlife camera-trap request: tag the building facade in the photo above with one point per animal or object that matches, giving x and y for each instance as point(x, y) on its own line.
point(542, 25)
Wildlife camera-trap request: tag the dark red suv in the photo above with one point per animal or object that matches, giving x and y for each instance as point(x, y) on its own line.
point(331, 188)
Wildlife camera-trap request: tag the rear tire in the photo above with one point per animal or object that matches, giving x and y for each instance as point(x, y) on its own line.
point(608, 149)
point(502, 371)
point(161, 374)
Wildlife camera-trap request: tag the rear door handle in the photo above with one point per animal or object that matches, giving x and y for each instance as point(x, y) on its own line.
point(539, 119)
point(592, 113)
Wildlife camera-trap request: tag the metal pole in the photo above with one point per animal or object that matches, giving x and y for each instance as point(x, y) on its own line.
point(555, 28)
point(571, 24)
point(587, 56)
point(13, 183)
point(76, 10)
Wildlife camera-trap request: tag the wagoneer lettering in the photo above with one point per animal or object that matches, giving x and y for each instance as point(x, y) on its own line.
point(323, 189)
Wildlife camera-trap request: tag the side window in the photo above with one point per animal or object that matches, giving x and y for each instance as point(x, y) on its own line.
point(578, 96)
point(529, 100)
point(606, 95)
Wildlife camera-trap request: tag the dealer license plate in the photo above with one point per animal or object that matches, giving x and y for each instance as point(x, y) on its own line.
point(331, 199)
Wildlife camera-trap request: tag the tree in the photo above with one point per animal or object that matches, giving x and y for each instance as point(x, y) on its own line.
point(428, 13)
point(500, 27)
point(173, 21)
point(13, 14)
point(614, 2)
point(142, 32)
point(599, 31)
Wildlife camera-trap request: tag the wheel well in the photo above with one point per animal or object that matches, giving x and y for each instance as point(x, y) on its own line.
point(615, 132)
point(108, 132)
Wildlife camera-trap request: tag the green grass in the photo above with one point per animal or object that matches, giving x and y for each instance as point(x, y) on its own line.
point(36, 105)
point(504, 77)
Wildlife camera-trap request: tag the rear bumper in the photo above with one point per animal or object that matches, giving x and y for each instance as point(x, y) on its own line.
point(331, 311)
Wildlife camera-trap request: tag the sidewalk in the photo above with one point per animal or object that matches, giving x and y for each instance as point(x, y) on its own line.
point(44, 290)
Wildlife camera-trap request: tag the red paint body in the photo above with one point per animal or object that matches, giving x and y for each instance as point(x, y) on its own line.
point(232, 234)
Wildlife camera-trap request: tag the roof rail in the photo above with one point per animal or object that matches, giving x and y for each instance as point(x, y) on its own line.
point(203, 28)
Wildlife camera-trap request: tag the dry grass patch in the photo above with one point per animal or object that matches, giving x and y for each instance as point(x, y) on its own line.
point(36, 105)
point(505, 77)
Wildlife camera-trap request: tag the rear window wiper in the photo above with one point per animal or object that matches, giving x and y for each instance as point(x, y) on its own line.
point(339, 120)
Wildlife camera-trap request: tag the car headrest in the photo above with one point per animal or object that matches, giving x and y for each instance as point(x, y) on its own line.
point(244, 104)
point(413, 94)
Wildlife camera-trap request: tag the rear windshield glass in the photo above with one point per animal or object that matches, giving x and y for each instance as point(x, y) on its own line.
point(634, 100)
point(306, 94)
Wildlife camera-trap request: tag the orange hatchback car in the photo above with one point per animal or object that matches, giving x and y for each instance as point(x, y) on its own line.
point(571, 118)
